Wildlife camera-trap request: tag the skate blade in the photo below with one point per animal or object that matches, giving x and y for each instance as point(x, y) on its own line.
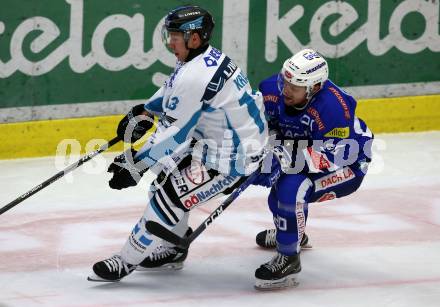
point(307, 246)
point(163, 268)
point(279, 284)
point(96, 278)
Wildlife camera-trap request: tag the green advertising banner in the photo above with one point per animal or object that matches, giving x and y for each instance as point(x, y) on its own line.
point(58, 52)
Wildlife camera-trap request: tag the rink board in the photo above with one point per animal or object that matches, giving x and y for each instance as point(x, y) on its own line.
point(50, 137)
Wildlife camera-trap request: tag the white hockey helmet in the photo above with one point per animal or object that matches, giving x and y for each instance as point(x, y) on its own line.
point(305, 68)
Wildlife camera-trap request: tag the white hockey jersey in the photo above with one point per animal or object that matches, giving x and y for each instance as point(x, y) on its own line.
point(208, 99)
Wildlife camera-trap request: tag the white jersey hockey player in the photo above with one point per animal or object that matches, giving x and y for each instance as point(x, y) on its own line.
point(210, 136)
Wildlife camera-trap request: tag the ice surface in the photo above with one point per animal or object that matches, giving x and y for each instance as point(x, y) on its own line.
point(377, 247)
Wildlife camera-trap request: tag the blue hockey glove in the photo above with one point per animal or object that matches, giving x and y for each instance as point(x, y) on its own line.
point(279, 159)
point(268, 179)
point(125, 173)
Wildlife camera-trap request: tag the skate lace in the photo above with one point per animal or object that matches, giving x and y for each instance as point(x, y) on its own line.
point(276, 263)
point(163, 252)
point(271, 237)
point(116, 264)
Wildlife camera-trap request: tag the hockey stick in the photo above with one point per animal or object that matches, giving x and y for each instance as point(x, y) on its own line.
point(59, 175)
point(163, 233)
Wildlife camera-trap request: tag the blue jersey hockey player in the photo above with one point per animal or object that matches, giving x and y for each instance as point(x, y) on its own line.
point(332, 151)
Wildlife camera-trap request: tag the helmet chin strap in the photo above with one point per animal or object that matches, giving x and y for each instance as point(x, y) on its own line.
point(309, 95)
point(309, 92)
point(193, 52)
point(186, 37)
point(302, 107)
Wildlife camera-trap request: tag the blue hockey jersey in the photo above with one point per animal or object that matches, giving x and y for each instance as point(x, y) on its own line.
point(333, 135)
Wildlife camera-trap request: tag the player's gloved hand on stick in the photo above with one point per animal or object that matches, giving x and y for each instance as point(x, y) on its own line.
point(281, 160)
point(268, 179)
point(126, 172)
point(135, 124)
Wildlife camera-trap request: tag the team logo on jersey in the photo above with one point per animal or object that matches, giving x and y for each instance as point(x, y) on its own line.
point(341, 133)
point(334, 179)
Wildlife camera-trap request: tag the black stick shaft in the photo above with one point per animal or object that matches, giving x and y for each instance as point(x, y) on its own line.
point(219, 210)
point(59, 175)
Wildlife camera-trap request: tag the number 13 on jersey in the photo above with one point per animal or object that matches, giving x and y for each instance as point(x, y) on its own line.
point(172, 103)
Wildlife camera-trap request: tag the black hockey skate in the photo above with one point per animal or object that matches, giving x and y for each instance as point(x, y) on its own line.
point(165, 258)
point(112, 269)
point(278, 273)
point(267, 239)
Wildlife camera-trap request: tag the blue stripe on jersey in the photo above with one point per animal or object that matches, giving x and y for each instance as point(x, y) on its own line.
point(236, 141)
point(253, 110)
point(155, 105)
point(182, 135)
point(207, 108)
point(169, 145)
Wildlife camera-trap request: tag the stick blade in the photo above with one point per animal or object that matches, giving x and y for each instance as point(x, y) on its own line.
point(163, 233)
